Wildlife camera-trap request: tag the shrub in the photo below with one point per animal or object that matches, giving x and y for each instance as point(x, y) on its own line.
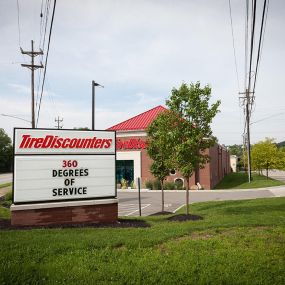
point(124, 183)
point(7, 200)
point(148, 184)
point(156, 185)
point(133, 185)
point(169, 186)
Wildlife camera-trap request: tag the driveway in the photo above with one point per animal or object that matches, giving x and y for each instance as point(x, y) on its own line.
point(5, 178)
point(276, 174)
point(151, 200)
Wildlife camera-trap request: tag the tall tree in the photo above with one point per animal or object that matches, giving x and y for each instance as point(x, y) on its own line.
point(6, 152)
point(192, 134)
point(159, 148)
point(265, 155)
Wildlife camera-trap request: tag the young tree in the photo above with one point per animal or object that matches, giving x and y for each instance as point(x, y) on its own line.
point(159, 148)
point(192, 134)
point(6, 152)
point(265, 155)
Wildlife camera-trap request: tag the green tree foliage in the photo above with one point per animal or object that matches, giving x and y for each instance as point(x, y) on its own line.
point(6, 152)
point(266, 155)
point(159, 147)
point(235, 149)
point(192, 134)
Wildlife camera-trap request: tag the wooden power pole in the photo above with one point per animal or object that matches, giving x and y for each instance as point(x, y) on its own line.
point(248, 103)
point(58, 121)
point(32, 67)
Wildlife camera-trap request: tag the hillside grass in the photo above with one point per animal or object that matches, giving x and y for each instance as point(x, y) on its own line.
point(239, 180)
point(237, 242)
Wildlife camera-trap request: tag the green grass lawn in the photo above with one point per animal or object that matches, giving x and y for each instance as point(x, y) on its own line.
point(237, 242)
point(239, 180)
point(5, 184)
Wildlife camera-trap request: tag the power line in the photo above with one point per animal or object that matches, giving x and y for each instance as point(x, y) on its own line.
point(246, 43)
point(19, 30)
point(252, 42)
point(42, 41)
point(234, 44)
point(45, 68)
point(266, 118)
point(261, 37)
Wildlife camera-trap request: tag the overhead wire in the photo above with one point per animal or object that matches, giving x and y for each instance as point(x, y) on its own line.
point(18, 17)
point(236, 67)
point(44, 24)
point(260, 45)
point(46, 61)
point(252, 42)
point(261, 37)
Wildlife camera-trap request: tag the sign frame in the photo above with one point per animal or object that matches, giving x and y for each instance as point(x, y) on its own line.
point(67, 154)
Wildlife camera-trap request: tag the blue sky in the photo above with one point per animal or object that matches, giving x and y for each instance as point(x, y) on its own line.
point(139, 50)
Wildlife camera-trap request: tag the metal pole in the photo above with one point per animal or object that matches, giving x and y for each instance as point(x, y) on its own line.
point(139, 190)
point(93, 105)
point(32, 87)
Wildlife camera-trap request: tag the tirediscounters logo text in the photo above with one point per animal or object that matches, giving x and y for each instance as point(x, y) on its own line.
point(50, 141)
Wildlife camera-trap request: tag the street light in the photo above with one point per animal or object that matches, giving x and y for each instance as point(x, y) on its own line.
point(94, 84)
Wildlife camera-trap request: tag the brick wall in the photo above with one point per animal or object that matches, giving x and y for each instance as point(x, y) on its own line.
point(209, 176)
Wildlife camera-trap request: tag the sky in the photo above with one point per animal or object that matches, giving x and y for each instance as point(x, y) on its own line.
point(139, 50)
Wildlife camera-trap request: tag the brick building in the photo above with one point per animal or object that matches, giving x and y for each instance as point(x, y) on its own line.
point(133, 160)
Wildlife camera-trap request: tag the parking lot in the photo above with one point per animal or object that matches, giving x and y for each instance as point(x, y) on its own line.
point(151, 200)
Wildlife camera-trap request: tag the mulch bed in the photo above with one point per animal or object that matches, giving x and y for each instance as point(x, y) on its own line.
point(184, 217)
point(5, 224)
point(162, 213)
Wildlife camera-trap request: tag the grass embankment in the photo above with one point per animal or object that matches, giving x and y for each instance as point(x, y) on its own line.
point(5, 185)
point(237, 242)
point(239, 180)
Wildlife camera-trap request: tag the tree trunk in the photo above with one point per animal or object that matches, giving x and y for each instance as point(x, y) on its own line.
point(162, 196)
point(267, 170)
point(187, 196)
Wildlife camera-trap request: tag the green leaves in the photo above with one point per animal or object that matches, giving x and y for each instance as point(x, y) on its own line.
point(193, 129)
point(266, 155)
point(179, 137)
point(6, 152)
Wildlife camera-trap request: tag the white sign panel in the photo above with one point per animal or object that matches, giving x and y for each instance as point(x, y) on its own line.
point(50, 172)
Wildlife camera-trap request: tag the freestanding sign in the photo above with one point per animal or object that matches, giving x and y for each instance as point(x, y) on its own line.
point(63, 165)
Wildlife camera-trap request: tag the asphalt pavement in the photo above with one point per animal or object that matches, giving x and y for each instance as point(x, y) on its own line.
point(276, 174)
point(151, 200)
point(5, 178)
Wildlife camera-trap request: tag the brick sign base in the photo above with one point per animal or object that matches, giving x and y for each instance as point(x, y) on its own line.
point(94, 211)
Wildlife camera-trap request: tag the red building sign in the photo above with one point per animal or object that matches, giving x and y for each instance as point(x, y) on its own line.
point(130, 144)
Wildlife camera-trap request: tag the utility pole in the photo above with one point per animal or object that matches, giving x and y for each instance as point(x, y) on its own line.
point(32, 67)
point(248, 103)
point(58, 121)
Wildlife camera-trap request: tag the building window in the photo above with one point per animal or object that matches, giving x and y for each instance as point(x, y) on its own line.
point(179, 182)
point(125, 170)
